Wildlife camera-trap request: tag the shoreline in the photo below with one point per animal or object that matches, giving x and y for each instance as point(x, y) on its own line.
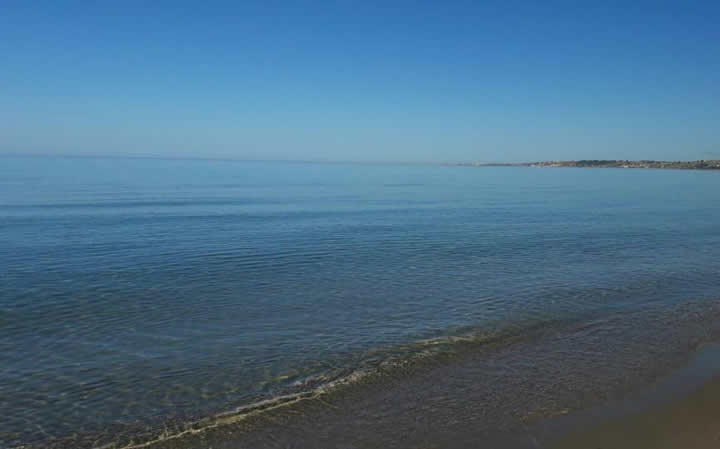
point(414, 409)
point(500, 394)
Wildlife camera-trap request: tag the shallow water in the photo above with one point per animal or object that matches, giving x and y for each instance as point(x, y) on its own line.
point(144, 292)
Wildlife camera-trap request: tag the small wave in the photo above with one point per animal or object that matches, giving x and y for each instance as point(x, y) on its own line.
point(244, 412)
point(399, 360)
point(375, 368)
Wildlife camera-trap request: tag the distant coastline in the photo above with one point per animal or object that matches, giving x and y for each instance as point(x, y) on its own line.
point(593, 163)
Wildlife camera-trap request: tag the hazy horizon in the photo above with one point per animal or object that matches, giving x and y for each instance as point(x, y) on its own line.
point(415, 82)
point(171, 157)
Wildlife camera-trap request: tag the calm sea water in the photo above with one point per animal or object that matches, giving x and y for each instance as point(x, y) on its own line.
point(138, 292)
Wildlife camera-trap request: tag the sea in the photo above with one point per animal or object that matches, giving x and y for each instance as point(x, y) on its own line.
point(228, 304)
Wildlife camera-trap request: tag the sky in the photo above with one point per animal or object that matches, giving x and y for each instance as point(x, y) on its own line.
point(416, 81)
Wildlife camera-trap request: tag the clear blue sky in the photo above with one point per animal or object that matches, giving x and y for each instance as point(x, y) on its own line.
point(362, 80)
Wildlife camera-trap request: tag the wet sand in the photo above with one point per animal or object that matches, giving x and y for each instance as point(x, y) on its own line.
point(692, 422)
point(680, 412)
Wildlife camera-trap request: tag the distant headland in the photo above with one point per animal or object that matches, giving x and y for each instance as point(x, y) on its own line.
point(593, 163)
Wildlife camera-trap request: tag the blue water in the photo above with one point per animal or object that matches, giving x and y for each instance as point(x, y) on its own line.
point(140, 290)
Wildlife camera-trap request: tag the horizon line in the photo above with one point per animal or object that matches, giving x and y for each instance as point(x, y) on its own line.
point(319, 161)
